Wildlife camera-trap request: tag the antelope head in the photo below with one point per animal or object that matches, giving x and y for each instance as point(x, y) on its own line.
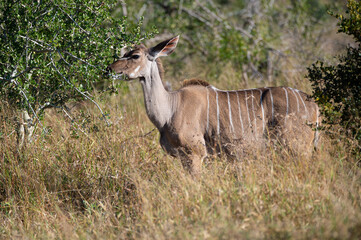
point(137, 62)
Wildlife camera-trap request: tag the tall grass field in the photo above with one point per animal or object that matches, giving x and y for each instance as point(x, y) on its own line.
point(89, 180)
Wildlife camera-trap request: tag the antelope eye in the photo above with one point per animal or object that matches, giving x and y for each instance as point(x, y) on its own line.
point(135, 56)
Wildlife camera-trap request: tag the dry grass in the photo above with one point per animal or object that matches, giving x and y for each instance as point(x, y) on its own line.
point(108, 183)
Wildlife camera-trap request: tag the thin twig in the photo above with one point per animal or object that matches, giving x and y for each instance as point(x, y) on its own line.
point(45, 105)
point(141, 11)
point(38, 42)
point(11, 133)
point(83, 94)
point(61, 55)
point(72, 19)
point(219, 19)
point(74, 123)
point(191, 13)
point(25, 71)
point(80, 59)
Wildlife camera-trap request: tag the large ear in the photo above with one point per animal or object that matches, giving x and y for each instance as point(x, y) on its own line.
point(164, 48)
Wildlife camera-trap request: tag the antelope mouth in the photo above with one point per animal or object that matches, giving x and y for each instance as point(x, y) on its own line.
point(119, 76)
point(109, 73)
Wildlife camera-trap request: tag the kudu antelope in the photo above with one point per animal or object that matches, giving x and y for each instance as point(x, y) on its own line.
point(199, 118)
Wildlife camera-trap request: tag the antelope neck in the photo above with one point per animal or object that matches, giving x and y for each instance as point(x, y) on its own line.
point(159, 103)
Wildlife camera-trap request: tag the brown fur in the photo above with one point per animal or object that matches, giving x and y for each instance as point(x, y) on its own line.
point(160, 68)
point(199, 119)
point(194, 81)
point(158, 61)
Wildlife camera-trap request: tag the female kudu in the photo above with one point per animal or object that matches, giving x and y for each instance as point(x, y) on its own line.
point(199, 118)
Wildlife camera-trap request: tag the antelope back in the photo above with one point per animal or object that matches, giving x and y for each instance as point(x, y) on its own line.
point(254, 114)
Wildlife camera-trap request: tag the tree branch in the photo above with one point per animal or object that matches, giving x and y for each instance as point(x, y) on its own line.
point(73, 20)
point(28, 69)
point(74, 123)
point(83, 94)
point(124, 8)
point(26, 98)
point(68, 53)
point(201, 19)
point(38, 42)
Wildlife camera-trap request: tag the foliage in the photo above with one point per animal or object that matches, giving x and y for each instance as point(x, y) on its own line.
point(352, 24)
point(337, 88)
point(243, 34)
point(53, 51)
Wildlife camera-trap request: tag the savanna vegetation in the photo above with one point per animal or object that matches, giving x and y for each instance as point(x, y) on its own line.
point(79, 158)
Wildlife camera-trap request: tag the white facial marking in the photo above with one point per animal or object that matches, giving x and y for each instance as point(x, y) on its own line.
point(286, 104)
point(133, 74)
point(230, 113)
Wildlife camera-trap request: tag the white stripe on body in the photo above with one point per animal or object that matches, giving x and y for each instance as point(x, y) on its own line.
point(249, 119)
point(298, 91)
point(240, 113)
point(298, 105)
point(254, 116)
point(287, 104)
point(263, 122)
point(207, 110)
point(272, 105)
point(217, 112)
point(230, 113)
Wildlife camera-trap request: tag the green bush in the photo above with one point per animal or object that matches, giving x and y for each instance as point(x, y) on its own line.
point(337, 88)
point(53, 51)
point(56, 51)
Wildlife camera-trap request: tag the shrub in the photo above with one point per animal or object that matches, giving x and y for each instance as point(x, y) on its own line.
point(54, 51)
point(337, 88)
